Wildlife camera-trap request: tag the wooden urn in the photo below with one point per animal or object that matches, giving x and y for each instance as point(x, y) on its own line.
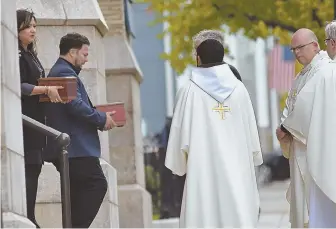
point(120, 116)
point(69, 84)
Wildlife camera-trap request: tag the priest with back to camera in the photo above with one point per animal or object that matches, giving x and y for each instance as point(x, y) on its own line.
point(214, 141)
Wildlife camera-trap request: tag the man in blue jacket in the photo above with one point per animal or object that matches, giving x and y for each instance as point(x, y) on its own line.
point(81, 121)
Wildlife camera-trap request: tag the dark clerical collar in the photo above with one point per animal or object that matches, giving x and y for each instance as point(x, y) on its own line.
point(76, 69)
point(211, 65)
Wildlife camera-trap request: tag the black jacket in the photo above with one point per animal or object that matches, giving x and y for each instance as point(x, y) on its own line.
point(235, 72)
point(30, 71)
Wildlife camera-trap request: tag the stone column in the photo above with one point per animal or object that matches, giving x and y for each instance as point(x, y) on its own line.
point(55, 18)
point(13, 192)
point(126, 151)
point(262, 96)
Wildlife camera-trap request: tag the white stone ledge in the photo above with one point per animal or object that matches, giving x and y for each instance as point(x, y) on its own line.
point(12, 220)
point(166, 223)
point(66, 12)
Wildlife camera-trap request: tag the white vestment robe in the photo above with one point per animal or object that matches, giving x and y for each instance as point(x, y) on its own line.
point(313, 123)
point(214, 140)
point(298, 192)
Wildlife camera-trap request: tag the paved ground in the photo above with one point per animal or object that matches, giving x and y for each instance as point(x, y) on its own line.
point(274, 208)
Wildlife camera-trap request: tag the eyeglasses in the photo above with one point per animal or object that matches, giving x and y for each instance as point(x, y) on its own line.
point(300, 47)
point(326, 40)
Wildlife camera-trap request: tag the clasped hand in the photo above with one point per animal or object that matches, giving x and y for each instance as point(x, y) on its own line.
point(53, 94)
point(282, 136)
point(109, 124)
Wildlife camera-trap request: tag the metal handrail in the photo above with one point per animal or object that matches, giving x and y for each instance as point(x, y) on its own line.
point(63, 141)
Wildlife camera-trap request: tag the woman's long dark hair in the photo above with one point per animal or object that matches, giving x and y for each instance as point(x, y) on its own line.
point(24, 18)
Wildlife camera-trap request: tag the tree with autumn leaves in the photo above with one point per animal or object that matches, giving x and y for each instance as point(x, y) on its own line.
point(256, 18)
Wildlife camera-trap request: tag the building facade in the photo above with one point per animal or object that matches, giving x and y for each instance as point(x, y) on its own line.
point(158, 89)
point(112, 74)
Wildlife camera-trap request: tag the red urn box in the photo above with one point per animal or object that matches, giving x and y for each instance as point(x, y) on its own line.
point(120, 113)
point(69, 84)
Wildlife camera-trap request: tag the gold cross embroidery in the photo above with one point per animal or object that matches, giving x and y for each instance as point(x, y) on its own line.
point(294, 93)
point(221, 109)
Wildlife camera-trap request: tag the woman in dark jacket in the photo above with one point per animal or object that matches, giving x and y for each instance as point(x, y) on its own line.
point(30, 71)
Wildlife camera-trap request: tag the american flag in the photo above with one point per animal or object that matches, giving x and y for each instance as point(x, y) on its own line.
point(281, 66)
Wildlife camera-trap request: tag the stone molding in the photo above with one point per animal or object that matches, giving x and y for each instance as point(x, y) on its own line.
point(66, 12)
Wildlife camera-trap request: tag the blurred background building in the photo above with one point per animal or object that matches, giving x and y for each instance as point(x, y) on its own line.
point(258, 63)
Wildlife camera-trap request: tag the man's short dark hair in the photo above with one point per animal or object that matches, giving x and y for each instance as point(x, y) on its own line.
point(210, 51)
point(72, 41)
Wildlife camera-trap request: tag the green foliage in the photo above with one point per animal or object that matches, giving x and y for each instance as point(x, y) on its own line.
point(283, 98)
point(256, 18)
point(153, 186)
point(152, 178)
point(156, 216)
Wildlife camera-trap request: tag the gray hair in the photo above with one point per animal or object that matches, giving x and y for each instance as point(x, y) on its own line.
point(206, 35)
point(331, 30)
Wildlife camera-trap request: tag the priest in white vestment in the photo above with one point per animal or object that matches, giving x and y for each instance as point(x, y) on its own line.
point(309, 118)
point(320, 139)
point(307, 51)
point(214, 141)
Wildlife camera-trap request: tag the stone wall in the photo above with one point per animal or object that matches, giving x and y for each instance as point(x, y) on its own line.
point(126, 148)
point(113, 11)
point(55, 19)
point(13, 193)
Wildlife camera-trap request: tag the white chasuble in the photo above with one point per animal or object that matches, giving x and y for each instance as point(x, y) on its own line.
point(298, 192)
point(214, 141)
point(316, 129)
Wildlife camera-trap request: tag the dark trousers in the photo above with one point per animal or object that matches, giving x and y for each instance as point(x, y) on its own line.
point(88, 187)
point(32, 174)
